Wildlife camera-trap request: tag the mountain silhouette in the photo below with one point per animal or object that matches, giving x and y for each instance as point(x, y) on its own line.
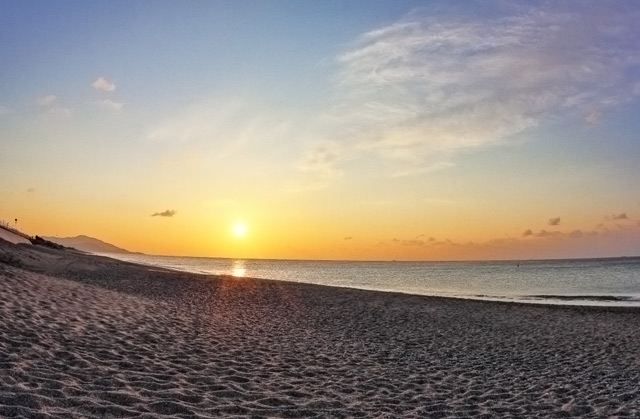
point(87, 244)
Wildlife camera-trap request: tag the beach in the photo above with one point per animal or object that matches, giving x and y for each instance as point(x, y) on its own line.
point(88, 336)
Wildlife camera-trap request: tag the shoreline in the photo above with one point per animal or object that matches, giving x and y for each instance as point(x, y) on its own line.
point(577, 299)
point(87, 336)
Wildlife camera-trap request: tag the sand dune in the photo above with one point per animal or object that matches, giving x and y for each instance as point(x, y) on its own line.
point(10, 237)
point(85, 336)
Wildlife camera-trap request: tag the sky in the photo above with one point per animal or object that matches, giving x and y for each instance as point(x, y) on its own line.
point(341, 129)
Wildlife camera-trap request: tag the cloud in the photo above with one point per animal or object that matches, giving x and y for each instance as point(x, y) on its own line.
point(413, 242)
point(445, 242)
point(232, 122)
point(31, 190)
point(576, 234)
point(167, 213)
point(111, 105)
point(554, 221)
point(621, 216)
point(531, 245)
point(348, 238)
point(545, 233)
point(47, 101)
point(52, 105)
point(319, 166)
point(423, 89)
point(103, 84)
point(213, 133)
point(417, 242)
point(60, 110)
point(593, 117)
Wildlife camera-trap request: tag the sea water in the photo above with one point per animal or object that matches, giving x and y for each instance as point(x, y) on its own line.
point(610, 282)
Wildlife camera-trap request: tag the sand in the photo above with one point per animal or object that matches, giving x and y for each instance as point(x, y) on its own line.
point(87, 336)
point(11, 237)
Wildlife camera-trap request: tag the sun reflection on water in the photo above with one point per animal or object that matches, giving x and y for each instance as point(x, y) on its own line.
point(238, 268)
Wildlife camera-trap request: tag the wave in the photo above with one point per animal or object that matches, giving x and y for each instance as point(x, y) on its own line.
point(556, 299)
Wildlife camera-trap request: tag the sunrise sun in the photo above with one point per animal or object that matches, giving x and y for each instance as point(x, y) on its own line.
point(239, 229)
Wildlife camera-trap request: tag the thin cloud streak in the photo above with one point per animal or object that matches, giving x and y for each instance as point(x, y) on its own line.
point(111, 105)
point(622, 216)
point(52, 105)
point(216, 131)
point(167, 213)
point(48, 100)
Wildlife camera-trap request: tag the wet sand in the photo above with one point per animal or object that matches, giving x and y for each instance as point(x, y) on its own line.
point(87, 336)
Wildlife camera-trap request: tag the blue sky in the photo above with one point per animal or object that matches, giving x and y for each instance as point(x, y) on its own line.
point(205, 45)
point(388, 122)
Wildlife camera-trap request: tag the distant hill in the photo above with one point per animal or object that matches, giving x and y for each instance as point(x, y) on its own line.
point(87, 244)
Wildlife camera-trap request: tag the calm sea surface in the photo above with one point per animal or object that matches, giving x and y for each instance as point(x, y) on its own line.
point(612, 282)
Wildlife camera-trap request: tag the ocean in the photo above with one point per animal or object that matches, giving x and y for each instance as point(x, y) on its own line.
point(602, 282)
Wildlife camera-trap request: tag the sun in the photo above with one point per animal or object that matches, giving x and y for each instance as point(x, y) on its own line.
point(239, 229)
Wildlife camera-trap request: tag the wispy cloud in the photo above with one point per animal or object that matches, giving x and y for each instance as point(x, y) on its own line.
point(53, 105)
point(103, 84)
point(167, 213)
point(576, 234)
point(320, 167)
point(195, 124)
point(554, 221)
point(214, 131)
point(111, 105)
point(48, 100)
point(546, 233)
point(621, 216)
point(413, 243)
point(422, 89)
point(593, 117)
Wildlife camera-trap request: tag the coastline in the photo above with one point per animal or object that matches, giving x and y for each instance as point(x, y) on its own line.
point(542, 282)
point(84, 335)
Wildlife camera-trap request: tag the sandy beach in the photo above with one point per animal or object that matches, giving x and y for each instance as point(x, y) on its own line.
point(87, 336)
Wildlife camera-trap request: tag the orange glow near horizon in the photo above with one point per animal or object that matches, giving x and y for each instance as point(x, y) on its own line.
point(340, 150)
point(301, 231)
